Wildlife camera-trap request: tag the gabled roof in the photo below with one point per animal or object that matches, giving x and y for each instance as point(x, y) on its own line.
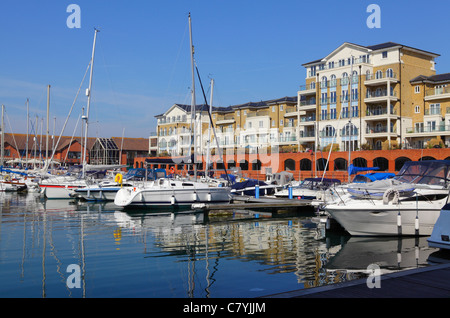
point(376, 47)
point(432, 79)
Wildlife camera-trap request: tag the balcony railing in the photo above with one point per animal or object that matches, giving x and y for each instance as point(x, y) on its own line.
point(433, 111)
point(308, 102)
point(428, 129)
point(381, 75)
point(378, 129)
point(437, 91)
point(379, 112)
point(380, 93)
point(258, 114)
point(307, 134)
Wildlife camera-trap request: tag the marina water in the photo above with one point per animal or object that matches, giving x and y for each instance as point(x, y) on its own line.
point(73, 249)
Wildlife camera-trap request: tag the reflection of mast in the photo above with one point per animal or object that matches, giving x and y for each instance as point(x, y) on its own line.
point(43, 256)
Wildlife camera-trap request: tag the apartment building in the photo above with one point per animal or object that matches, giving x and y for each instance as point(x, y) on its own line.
point(253, 127)
point(431, 111)
point(359, 97)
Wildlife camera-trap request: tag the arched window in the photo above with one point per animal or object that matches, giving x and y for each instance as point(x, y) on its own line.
point(323, 83)
point(381, 163)
point(399, 162)
point(340, 164)
point(305, 165)
point(344, 79)
point(328, 131)
point(355, 77)
point(389, 72)
point(289, 165)
point(333, 80)
point(379, 74)
point(368, 75)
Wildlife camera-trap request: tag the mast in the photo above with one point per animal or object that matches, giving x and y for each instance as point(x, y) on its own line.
point(3, 137)
point(26, 143)
point(350, 118)
point(209, 130)
point(88, 92)
point(193, 112)
point(46, 138)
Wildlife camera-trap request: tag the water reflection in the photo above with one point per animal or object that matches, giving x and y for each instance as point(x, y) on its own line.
point(184, 254)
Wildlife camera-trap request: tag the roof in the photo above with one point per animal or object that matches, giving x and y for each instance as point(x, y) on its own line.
point(432, 79)
point(137, 144)
point(376, 47)
point(204, 107)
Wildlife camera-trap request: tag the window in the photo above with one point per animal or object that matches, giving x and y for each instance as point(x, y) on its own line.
point(417, 89)
point(245, 112)
point(384, 55)
point(333, 97)
point(323, 84)
point(273, 109)
point(261, 124)
point(273, 123)
point(281, 122)
point(323, 114)
point(333, 80)
point(281, 108)
point(389, 73)
point(417, 109)
point(379, 74)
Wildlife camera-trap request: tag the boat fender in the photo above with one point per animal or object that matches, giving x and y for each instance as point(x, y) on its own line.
point(172, 170)
point(391, 195)
point(7, 177)
point(118, 178)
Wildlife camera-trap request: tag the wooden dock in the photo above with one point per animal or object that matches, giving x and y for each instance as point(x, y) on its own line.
point(247, 202)
point(426, 282)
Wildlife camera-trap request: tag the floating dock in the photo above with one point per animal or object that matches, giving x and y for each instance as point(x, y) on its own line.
point(425, 282)
point(247, 202)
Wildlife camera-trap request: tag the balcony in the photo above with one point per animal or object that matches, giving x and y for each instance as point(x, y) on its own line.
point(378, 131)
point(291, 112)
point(258, 114)
point(428, 131)
point(377, 113)
point(308, 104)
point(307, 120)
point(380, 78)
point(308, 89)
point(227, 119)
point(380, 95)
point(437, 93)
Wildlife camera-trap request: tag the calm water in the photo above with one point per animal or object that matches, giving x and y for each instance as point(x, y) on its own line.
point(161, 254)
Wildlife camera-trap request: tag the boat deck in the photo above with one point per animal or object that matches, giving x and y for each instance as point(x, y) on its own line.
point(426, 282)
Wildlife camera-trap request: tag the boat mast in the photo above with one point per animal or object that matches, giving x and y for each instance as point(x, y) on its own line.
point(193, 111)
point(26, 147)
point(350, 108)
point(209, 130)
point(3, 137)
point(46, 138)
point(88, 92)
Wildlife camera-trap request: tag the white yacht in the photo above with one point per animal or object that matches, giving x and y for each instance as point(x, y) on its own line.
point(415, 214)
point(169, 192)
point(440, 236)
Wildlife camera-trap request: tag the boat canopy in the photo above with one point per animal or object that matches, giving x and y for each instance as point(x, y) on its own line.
point(354, 170)
point(372, 176)
point(425, 172)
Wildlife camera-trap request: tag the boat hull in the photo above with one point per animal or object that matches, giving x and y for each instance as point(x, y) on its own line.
point(97, 194)
point(170, 197)
point(368, 219)
point(58, 191)
point(440, 237)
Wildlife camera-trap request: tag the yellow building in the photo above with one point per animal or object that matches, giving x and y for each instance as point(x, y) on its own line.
point(359, 97)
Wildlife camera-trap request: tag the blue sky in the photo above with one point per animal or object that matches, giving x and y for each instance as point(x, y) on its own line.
point(252, 49)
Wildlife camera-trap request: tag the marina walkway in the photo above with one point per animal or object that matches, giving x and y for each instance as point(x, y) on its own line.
point(426, 282)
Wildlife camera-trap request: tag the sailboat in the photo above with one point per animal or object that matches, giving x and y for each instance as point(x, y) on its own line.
point(63, 187)
point(172, 192)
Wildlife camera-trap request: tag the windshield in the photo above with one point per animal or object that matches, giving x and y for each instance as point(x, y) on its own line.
point(434, 172)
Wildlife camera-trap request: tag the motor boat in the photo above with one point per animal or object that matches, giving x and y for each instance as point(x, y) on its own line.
point(308, 189)
point(440, 236)
point(172, 193)
point(397, 215)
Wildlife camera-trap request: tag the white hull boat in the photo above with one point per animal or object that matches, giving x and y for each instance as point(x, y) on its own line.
point(168, 192)
point(396, 215)
point(373, 218)
point(440, 236)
